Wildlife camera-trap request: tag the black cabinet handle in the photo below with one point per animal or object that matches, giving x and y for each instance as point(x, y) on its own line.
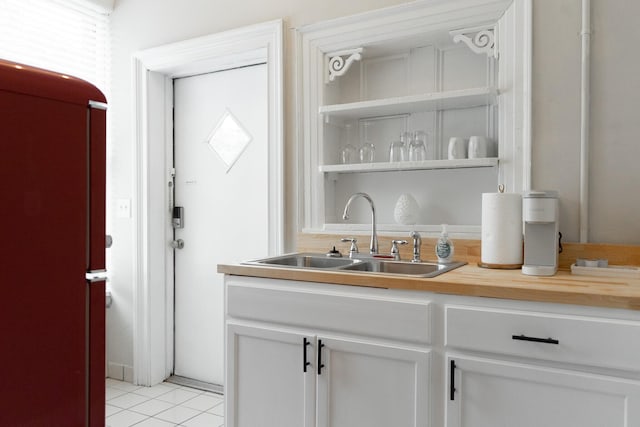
point(452, 373)
point(534, 339)
point(305, 363)
point(320, 365)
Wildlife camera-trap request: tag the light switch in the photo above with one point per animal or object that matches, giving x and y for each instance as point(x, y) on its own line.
point(123, 208)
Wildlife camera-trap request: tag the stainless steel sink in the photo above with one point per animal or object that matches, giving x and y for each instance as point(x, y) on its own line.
point(420, 269)
point(306, 260)
point(360, 265)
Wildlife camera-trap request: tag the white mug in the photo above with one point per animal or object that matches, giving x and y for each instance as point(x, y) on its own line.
point(478, 147)
point(457, 148)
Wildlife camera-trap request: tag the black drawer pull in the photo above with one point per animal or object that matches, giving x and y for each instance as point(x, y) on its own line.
point(320, 365)
point(534, 339)
point(305, 363)
point(452, 380)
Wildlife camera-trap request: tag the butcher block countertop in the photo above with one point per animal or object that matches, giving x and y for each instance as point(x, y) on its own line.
point(471, 280)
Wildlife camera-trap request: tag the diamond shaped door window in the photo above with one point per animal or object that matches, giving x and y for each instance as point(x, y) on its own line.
point(229, 139)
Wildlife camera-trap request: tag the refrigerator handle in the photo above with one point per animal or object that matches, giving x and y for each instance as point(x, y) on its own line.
point(96, 187)
point(96, 276)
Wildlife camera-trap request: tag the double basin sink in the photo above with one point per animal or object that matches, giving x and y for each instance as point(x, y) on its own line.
point(361, 265)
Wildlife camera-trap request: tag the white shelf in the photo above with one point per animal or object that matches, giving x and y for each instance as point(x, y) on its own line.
point(404, 166)
point(448, 100)
point(364, 230)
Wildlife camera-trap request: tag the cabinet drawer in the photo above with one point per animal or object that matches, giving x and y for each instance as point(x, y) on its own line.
point(570, 339)
point(394, 319)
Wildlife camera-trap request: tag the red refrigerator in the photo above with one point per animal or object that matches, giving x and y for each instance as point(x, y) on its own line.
point(52, 254)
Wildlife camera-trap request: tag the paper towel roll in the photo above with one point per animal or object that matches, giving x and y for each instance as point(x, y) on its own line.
point(501, 229)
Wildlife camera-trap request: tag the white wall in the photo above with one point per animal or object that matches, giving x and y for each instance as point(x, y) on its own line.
point(140, 24)
point(615, 109)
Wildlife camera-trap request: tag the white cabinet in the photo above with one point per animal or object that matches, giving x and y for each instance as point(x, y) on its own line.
point(492, 392)
point(318, 355)
point(266, 384)
point(365, 384)
point(456, 68)
point(540, 369)
point(273, 373)
point(581, 340)
point(343, 372)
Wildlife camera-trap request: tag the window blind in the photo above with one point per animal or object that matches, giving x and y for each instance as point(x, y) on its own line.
point(67, 36)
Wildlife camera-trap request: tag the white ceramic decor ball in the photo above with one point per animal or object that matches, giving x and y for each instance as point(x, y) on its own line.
point(406, 210)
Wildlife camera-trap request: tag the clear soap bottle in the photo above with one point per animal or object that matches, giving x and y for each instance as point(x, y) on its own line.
point(444, 247)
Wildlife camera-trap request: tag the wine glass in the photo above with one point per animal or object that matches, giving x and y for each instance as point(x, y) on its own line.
point(417, 148)
point(367, 149)
point(348, 153)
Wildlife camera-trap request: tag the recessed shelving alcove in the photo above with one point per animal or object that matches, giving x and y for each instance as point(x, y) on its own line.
point(451, 69)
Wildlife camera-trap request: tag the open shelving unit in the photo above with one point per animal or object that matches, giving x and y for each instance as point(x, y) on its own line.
point(435, 101)
point(406, 166)
point(445, 68)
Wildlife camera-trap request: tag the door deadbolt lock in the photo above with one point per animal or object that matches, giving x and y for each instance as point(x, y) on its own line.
point(177, 217)
point(177, 244)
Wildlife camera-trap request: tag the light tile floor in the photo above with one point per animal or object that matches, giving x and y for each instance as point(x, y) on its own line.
point(163, 405)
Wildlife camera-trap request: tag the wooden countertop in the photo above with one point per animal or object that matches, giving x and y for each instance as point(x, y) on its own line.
point(471, 280)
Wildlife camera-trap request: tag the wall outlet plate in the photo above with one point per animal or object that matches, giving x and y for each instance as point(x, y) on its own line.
point(123, 208)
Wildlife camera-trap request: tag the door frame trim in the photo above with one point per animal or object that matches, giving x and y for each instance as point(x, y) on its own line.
point(153, 71)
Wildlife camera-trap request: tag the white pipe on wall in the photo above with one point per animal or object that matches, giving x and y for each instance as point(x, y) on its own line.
point(584, 120)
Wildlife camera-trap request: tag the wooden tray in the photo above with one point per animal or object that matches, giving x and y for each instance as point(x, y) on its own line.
point(500, 266)
point(627, 271)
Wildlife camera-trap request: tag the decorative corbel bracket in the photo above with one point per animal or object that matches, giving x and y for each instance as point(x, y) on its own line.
point(478, 39)
point(337, 65)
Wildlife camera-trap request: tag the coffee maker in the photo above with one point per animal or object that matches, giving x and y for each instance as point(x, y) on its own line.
point(541, 233)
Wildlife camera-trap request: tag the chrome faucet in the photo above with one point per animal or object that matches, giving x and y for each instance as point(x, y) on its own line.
point(417, 241)
point(353, 250)
point(395, 252)
point(373, 246)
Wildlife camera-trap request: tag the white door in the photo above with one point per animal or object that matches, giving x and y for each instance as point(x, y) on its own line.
point(221, 181)
point(269, 383)
point(365, 384)
point(490, 393)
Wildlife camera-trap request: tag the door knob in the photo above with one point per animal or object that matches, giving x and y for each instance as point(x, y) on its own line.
point(177, 244)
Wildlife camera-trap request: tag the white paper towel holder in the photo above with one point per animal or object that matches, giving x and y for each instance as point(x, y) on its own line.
point(501, 266)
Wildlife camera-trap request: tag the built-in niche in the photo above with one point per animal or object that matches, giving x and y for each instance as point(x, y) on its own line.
point(450, 69)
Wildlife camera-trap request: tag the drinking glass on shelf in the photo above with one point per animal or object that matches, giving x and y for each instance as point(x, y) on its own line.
point(417, 147)
point(430, 147)
point(348, 154)
point(406, 138)
point(367, 152)
point(397, 151)
point(367, 149)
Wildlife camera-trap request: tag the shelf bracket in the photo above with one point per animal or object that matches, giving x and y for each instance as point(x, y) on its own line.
point(337, 65)
point(478, 39)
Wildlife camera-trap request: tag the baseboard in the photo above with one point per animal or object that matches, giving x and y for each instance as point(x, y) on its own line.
point(120, 372)
point(200, 385)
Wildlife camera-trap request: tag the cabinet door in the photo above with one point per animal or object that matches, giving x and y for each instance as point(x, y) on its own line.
point(371, 385)
point(266, 383)
point(491, 393)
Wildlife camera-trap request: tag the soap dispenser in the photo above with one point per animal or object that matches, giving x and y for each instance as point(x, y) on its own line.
point(444, 247)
